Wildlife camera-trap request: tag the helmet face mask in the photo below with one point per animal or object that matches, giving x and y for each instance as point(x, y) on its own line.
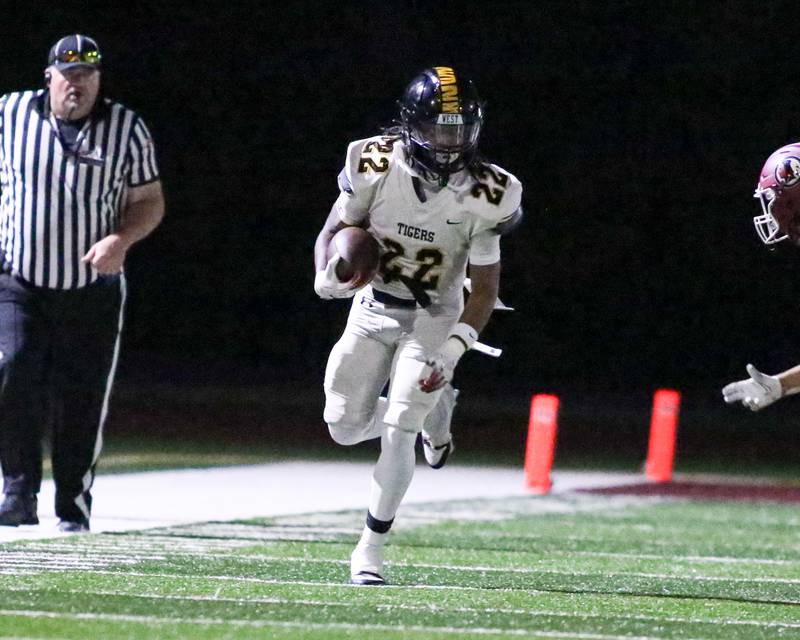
point(766, 225)
point(446, 137)
point(441, 118)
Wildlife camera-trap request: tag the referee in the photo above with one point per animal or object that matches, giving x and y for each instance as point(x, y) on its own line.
point(78, 186)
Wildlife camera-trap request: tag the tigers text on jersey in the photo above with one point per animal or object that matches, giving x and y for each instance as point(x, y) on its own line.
point(425, 245)
point(56, 203)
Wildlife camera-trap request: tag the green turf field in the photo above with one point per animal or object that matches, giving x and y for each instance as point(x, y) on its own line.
point(574, 566)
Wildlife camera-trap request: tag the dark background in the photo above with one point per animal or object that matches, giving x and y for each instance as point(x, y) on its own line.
point(637, 129)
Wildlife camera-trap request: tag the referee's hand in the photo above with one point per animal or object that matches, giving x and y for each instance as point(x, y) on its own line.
point(107, 255)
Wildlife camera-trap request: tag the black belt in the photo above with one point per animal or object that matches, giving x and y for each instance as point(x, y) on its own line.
point(393, 301)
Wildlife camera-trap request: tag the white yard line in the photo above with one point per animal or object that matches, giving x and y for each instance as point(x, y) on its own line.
point(152, 548)
point(68, 563)
point(260, 624)
point(427, 609)
point(131, 501)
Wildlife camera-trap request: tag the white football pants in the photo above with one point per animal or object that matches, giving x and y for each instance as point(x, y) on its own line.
point(379, 344)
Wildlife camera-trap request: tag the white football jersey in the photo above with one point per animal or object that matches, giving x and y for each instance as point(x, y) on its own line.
point(425, 245)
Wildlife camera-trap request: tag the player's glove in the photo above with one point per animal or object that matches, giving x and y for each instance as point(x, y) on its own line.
point(757, 392)
point(328, 286)
point(443, 362)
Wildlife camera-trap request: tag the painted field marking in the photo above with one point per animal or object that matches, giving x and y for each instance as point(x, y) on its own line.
point(50, 562)
point(182, 546)
point(427, 609)
point(259, 624)
point(320, 583)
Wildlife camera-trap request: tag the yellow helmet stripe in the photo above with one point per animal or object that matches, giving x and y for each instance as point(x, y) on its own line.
point(448, 87)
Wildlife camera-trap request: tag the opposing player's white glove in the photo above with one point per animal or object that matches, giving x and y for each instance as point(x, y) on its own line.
point(757, 392)
point(328, 286)
point(443, 362)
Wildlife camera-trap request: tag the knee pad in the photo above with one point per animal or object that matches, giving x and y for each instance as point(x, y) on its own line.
point(346, 434)
point(406, 416)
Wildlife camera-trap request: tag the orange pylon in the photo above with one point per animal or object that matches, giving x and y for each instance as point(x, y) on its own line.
point(663, 432)
point(540, 447)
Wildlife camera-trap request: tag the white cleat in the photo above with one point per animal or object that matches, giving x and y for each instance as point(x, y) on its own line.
point(437, 429)
point(437, 456)
point(366, 564)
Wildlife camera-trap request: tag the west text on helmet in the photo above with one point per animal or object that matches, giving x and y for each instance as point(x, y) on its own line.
point(415, 232)
point(448, 88)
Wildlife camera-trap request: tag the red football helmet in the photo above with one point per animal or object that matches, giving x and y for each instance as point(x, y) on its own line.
point(778, 191)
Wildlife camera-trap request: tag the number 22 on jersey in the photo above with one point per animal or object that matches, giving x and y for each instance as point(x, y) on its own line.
point(424, 274)
point(493, 194)
point(375, 156)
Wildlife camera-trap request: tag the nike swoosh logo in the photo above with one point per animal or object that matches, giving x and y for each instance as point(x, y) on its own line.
point(454, 221)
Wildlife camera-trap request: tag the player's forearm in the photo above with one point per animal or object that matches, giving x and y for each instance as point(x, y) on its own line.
point(478, 310)
point(790, 381)
point(321, 247)
point(485, 286)
point(332, 224)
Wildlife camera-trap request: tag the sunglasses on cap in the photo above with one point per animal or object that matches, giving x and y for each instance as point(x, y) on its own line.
point(91, 57)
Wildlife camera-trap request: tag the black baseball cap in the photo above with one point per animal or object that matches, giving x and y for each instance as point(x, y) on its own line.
point(74, 51)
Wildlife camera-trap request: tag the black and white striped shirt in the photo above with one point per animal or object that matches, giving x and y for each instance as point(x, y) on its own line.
point(55, 203)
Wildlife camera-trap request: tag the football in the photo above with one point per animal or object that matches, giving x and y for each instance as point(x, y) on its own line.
point(359, 252)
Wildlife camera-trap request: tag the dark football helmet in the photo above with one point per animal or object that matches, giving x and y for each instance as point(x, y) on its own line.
point(441, 117)
point(778, 191)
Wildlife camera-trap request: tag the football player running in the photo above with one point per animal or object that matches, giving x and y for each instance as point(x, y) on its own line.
point(778, 191)
point(435, 208)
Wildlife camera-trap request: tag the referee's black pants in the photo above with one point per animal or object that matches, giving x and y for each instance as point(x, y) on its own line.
point(59, 353)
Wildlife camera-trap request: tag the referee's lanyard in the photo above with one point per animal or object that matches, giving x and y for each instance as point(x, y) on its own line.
point(74, 150)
